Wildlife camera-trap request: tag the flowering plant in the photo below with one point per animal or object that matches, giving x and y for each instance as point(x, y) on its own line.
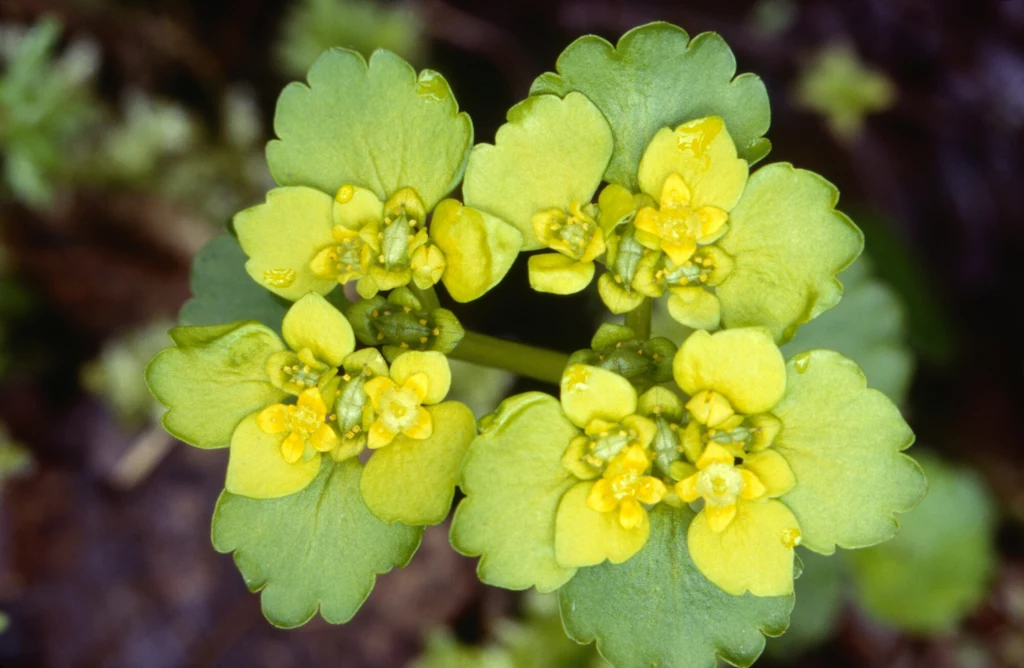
point(670, 478)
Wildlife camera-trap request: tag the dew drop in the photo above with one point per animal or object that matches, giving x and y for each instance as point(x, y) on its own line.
point(791, 537)
point(431, 86)
point(802, 361)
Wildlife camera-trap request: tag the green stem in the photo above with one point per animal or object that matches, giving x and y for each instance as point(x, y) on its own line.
point(427, 297)
point(639, 319)
point(537, 363)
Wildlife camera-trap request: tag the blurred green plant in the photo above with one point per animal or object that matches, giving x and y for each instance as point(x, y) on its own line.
point(840, 87)
point(312, 26)
point(46, 102)
point(479, 387)
point(937, 569)
point(117, 375)
point(925, 581)
point(535, 641)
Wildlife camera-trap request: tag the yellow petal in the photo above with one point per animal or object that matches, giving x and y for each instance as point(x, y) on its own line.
point(632, 458)
point(714, 453)
point(418, 384)
point(681, 251)
point(754, 553)
point(431, 363)
point(354, 207)
point(601, 497)
point(680, 470)
point(558, 274)
point(422, 428)
point(379, 436)
point(312, 400)
point(753, 488)
point(595, 248)
point(674, 192)
point(709, 408)
point(646, 220)
point(773, 470)
point(719, 517)
point(585, 537)
point(687, 488)
point(273, 419)
point(712, 224)
point(651, 490)
point(743, 364)
point(293, 447)
point(631, 513)
point(590, 393)
point(766, 427)
point(375, 389)
point(324, 439)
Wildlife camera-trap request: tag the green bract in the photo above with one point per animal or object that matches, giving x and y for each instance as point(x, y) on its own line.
point(367, 151)
point(318, 550)
point(657, 77)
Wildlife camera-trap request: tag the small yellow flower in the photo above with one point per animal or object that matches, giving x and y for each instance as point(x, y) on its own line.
point(399, 409)
point(306, 423)
point(396, 402)
point(721, 483)
point(676, 227)
point(577, 239)
point(625, 487)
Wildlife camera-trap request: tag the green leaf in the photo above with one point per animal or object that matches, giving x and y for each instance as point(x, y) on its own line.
point(212, 379)
point(657, 77)
point(868, 327)
point(658, 610)
point(551, 153)
point(938, 568)
point(513, 480)
point(321, 548)
point(374, 125)
point(413, 481)
point(788, 243)
point(843, 442)
point(223, 291)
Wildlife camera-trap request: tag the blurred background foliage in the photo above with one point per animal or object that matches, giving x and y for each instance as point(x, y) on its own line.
point(131, 131)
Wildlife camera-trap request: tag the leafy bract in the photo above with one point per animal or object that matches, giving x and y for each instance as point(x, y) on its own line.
point(868, 327)
point(658, 610)
point(413, 481)
point(320, 548)
point(788, 243)
point(212, 378)
point(551, 153)
point(937, 569)
point(222, 291)
point(514, 480)
point(376, 125)
point(657, 77)
point(282, 236)
point(843, 442)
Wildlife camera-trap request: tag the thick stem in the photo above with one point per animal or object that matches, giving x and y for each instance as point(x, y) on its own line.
point(639, 319)
point(537, 363)
point(427, 297)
